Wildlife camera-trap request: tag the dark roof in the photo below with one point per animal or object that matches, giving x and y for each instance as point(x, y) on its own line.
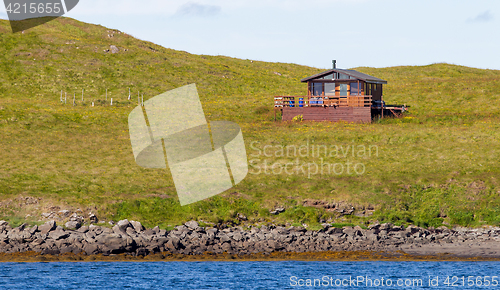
point(349, 72)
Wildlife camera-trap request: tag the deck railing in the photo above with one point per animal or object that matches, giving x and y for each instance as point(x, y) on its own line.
point(320, 101)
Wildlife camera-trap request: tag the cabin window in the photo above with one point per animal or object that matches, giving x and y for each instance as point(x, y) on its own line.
point(354, 89)
point(368, 89)
point(329, 89)
point(343, 90)
point(317, 89)
point(344, 77)
point(328, 77)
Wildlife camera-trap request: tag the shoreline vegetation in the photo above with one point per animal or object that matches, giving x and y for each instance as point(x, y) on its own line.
point(344, 256)
point(130, 241)
point(435, 166)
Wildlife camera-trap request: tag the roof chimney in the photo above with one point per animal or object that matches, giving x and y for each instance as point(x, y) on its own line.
point(334, 62)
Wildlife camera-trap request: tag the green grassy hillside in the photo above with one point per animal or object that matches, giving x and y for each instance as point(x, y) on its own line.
point(438, 164)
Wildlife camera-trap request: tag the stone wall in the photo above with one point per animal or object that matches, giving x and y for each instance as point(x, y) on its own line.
point(130, 237)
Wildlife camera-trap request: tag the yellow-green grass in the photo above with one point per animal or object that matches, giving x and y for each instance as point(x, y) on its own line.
point(439, 163)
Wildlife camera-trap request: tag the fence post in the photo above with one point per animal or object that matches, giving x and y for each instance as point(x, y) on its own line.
point(111, 101)
point(65, 97)
point(129, 94)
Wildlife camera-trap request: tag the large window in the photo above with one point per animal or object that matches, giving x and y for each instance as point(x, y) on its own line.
point(329, 89)
point(355, 90)
point(343, 90)
point(328, 77)
point(317, 89)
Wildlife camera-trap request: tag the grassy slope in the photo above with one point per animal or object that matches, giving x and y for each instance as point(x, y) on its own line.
point(440, 163)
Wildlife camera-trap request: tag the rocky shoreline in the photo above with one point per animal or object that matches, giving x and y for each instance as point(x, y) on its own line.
point(131, 238)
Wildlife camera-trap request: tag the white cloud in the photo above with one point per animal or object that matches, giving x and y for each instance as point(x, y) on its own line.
point(486, 16)
point(196, 9)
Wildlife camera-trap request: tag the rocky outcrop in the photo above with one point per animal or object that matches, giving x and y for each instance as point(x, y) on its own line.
point(131, 237)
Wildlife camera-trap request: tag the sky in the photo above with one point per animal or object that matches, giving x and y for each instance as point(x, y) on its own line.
point(375, 33)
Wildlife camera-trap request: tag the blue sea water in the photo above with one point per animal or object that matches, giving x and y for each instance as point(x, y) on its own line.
point(251, 275)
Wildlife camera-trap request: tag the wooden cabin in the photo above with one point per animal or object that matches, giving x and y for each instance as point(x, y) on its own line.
point(334, 95)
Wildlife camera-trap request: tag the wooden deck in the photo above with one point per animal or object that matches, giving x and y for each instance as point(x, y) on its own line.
point(312, 101)
point(333, 108)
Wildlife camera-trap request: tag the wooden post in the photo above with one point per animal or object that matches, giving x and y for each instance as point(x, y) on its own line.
point(382, 104)
point(111, 101)
point(61, 96)
point(359, 99)
point(142, 102)
point(65, 97)
point(129, 94)
point(92, 104)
